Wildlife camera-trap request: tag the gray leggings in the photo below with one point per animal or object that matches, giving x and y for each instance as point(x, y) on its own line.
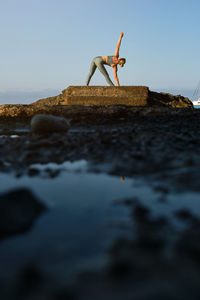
point(98, 62)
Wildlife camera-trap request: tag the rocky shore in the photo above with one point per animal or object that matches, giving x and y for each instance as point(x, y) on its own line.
point(124, 95)
point(158, 144)
point(153, 143)
point(112, 103)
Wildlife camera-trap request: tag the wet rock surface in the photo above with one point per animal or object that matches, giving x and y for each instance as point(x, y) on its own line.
point(18, 211)
point(163, 146)
point(158, 260)
point(141, 268)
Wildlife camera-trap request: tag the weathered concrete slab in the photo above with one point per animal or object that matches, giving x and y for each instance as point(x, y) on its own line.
point(105, 95)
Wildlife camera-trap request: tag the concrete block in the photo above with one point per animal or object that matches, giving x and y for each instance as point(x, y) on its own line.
point(105, 95)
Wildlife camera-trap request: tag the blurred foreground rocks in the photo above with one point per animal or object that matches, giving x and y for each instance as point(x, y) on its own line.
point(18, 211)
point(48, 124)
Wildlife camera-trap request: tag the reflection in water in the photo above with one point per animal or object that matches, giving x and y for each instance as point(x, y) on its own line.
point(82, 221)
point(80, 165)
point(13, 136)
point(78, 227)
point(122, 178)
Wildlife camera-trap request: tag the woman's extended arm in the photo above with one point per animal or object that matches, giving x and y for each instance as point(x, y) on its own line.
point(118, 45)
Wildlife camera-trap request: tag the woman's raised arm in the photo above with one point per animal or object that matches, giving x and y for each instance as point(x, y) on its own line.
point(118, 45)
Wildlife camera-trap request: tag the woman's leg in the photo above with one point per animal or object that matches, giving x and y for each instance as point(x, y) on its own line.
point(102, 69)
point(92, 70)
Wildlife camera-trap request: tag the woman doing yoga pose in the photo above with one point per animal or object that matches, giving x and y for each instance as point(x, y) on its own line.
point(112, 61)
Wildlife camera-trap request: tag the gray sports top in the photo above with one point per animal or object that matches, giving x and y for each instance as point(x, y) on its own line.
point(110, 61)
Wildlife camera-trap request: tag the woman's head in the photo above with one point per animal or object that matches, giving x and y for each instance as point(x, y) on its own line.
point(121, 61)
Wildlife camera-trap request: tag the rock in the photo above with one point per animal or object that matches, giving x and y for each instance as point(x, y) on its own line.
point(48, 124)
point(20, 115)
point(99, 95)
point(112, 95)
point(55, 100)
point(184, 214)
point(141, 213)
point(99, 105)
point(166, 99)
point(105, 95)
point(18, 211)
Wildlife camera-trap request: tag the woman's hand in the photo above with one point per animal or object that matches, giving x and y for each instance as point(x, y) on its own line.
point(121, 34)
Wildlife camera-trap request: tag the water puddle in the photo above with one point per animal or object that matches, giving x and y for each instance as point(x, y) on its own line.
point(13, 136)
point(84, 217)
point(77, 166)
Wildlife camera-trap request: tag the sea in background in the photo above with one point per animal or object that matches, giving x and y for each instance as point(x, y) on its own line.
point(25, 97)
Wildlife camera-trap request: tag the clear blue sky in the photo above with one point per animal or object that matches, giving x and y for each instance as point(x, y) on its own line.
point(49, 44)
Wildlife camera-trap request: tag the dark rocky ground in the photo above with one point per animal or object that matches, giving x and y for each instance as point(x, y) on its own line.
point(158, 262)
point(165, 146)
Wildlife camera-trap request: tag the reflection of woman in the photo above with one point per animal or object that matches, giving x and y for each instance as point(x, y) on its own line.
point(112, 61)
point(122, 178)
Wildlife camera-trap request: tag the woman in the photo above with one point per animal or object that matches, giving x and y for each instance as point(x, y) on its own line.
point(112, 61)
